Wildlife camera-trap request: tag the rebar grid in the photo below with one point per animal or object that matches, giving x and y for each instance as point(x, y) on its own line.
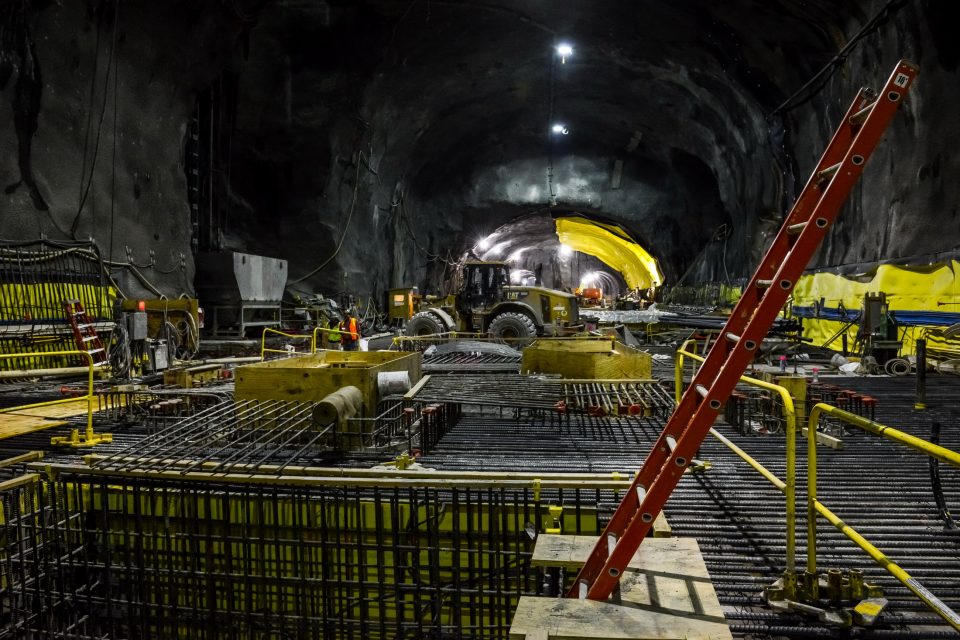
point(248, 432)
point(92, 556)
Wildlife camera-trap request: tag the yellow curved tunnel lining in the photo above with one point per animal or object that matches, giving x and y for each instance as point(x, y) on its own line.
point(612, 246)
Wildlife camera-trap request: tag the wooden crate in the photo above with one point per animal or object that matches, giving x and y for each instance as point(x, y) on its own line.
point(595, 359)
point(311, 377)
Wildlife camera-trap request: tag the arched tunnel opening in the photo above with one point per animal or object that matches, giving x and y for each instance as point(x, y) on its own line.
point(571, 251)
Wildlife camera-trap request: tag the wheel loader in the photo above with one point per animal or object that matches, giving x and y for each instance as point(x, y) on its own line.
point(488, 303)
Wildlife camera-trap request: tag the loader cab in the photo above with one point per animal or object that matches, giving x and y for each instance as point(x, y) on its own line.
point(483, 284)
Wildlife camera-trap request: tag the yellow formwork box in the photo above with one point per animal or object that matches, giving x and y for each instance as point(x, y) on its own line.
point(931, 288)
point(310, 378)
point(582, 359)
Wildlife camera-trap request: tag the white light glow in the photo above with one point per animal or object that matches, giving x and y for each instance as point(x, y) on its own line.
point(484, 244)
point(495, 250)
point(589, 279)
point(565, 251)
point(564, 50)
point(560, 129)
point(516, 255)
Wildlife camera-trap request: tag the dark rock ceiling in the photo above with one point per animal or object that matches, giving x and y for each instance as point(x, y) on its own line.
point(370, 142)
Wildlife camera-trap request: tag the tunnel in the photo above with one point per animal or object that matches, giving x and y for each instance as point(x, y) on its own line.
point(479, 319)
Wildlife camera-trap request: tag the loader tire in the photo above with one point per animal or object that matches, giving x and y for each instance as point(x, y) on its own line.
point(513, 328)
point(424, 324)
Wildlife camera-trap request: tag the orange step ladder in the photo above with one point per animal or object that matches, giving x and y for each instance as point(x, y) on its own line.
point(801, 234)
point(84, 332)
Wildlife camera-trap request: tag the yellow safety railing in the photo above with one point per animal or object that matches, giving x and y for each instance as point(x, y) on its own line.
point(318, 330)
point(484, 337)
point(815, 507)
point(789, 486)
point(90, 437)
point(264, 350)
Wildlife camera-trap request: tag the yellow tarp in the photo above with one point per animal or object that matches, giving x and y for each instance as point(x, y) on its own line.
point(907, 289)
point(612, 246)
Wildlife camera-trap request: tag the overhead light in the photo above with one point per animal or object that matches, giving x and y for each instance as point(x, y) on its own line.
point(560, 129)
point(565, 251)
point(564, 50)
point(484, 243)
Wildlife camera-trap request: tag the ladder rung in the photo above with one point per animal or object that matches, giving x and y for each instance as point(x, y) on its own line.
point(829, 172)
point(672, 443)
point(611, 542)
point(862, 114)
point(90, 338)
point(702, 390)
point(84, 326)
point(764, 284)
point(732, 337)
point(795, 229)
point(93, 351)
point(583, 589)
point(641, 494)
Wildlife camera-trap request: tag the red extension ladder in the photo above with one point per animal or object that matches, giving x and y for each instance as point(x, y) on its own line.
point(798, 239)
point(84, 332)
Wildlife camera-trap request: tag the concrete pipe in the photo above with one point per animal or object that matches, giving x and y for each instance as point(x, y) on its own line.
point(393, 383)
point(342, 404)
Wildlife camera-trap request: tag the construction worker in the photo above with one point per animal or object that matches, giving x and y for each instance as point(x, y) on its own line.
point(333, 335)
point(350, 328)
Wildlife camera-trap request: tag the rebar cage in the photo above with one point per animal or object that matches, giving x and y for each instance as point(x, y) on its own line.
point(36, 278)
point(89, 554)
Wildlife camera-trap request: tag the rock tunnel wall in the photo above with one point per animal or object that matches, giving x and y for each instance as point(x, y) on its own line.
point(93, 119)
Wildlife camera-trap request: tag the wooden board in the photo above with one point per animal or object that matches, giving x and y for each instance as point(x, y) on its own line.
point(666, 593)
point(593, 359)
point(20, 421)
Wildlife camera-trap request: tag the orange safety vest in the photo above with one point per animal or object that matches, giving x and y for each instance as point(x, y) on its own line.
point(350, 328)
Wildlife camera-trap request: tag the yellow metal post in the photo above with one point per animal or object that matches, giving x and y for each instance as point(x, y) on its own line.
point(790, 418)
point(812, 490)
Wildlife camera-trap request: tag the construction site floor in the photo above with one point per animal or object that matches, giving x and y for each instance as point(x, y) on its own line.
point(880, 488)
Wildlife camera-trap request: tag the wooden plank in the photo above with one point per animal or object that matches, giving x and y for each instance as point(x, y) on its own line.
point(30, 456)
point(824, 439)
point(666, 593)
point(63, 410)
point(662, 528)
point(12, 425)
point(568, 619)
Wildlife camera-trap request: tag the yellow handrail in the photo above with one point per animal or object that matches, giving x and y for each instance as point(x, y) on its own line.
point(47, 354)
point(483, 337)
point(295, 336)
point(789, 487)
point(815, 507)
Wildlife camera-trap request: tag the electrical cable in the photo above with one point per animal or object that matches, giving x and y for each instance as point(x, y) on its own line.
point(871, 25)
point(103, 111)
point(113, 167)
point(346, 227)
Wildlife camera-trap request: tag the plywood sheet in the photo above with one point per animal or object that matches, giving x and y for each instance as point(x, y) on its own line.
point(666, 592)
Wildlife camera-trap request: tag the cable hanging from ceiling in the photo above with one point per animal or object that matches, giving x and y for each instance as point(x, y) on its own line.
point(815, 85)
